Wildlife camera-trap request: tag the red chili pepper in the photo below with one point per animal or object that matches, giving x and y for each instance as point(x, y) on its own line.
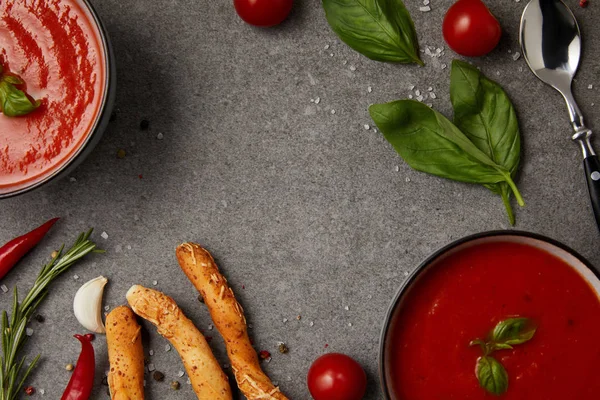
point(14, 250)
point(584, 3)
point(82, 380)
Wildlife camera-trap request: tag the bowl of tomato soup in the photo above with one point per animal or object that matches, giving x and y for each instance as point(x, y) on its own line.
point(60, 52)
point(464, 292)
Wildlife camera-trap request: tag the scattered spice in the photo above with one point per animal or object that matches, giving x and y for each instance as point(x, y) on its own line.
point(264, 355)
point(69, 367)
point(283, 348)
point(158, 376)
point(175, 385)
point(299, 317)
point(140, 176)
point(29, 390)
point(326, 345)
point(584, 3)
point(40, 318)
point(121, 153)
point(200, 298)
point(144, 124)
point(54, 254)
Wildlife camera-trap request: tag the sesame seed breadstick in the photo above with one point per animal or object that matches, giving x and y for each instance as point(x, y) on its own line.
point(125, 354)
point(228, 317)
point(208, 379)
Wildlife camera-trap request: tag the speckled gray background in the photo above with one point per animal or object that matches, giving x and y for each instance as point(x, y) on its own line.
point(306, 211)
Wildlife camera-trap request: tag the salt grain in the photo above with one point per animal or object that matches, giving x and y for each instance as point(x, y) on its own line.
point(590, 87)
point(417, 92)
point(419, 98)
point(29, 332)
point(210, 327)
point(42, 391)
point(155, 283)
point(106, 308)
point(412, 87)
point(151, 352)
point(333, 111)
point(104, 235)
point(397, 168)
point(75, 277)
point(180, 374)
point(72, 179)
point(425, 9)
point(433, 95)
point(516, 56)
point(367, 126)
point(317, 100)
point(160, 136)
point(311, 323)
point(410, 96)
point(151, 367)
point(407, 179)
point(369, 89)
point(349, 323)
point(352, 68)
point(444, 66)
point(4, 289)
point(346, 308)
point(425, 2)
point(167, 347)
point(285, 320)
point(430, 89)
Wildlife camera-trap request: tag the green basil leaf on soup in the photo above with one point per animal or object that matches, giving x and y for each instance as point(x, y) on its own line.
point(491, 375)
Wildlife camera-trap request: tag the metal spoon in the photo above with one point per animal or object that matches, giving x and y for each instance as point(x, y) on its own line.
point(551, 43)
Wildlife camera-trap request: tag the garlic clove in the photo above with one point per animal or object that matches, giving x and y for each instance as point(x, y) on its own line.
point(87, 304)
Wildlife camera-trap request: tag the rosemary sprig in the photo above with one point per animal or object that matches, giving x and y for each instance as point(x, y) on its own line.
point(13, 329)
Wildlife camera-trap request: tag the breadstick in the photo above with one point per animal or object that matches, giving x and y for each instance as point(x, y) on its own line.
point(125, 354)
point(228, 317)
point(208, 379)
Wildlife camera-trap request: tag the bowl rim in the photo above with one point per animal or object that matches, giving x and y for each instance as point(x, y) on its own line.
point(109, 80)
point(431, 258)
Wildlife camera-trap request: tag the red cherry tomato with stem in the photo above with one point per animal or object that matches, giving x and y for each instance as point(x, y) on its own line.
point(263, 12)
point(470, 29)
point(336, 377)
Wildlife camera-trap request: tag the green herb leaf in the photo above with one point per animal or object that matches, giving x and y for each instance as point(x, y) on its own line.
point(491, 375)
point(430, 143)
point(485, 114)
point(513, 331)
point(14, 102)
point(381, 30)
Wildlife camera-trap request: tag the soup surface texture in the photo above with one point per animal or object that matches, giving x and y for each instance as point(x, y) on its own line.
point(465, 295)
point(53, 47)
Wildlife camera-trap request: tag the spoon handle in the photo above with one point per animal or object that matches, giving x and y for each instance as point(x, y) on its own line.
point(591, 165)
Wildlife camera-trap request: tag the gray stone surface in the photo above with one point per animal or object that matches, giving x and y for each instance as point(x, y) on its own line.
point(306, 211)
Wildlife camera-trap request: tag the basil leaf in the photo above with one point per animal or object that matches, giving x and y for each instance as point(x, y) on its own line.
point(513, 331)
point(381, 30)
point(14, 102)
point(491, 375)
point(485, 114)
point(430, 143)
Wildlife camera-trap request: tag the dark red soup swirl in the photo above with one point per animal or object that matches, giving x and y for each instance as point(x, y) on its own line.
point(466, 295)
point(55, 49)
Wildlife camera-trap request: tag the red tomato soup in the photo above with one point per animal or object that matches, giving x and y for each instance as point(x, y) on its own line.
point(465, 295)
point(55, 49)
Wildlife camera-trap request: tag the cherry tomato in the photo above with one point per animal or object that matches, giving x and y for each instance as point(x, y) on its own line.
point(470, 29)
point(263, 12)
point(336, 377)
